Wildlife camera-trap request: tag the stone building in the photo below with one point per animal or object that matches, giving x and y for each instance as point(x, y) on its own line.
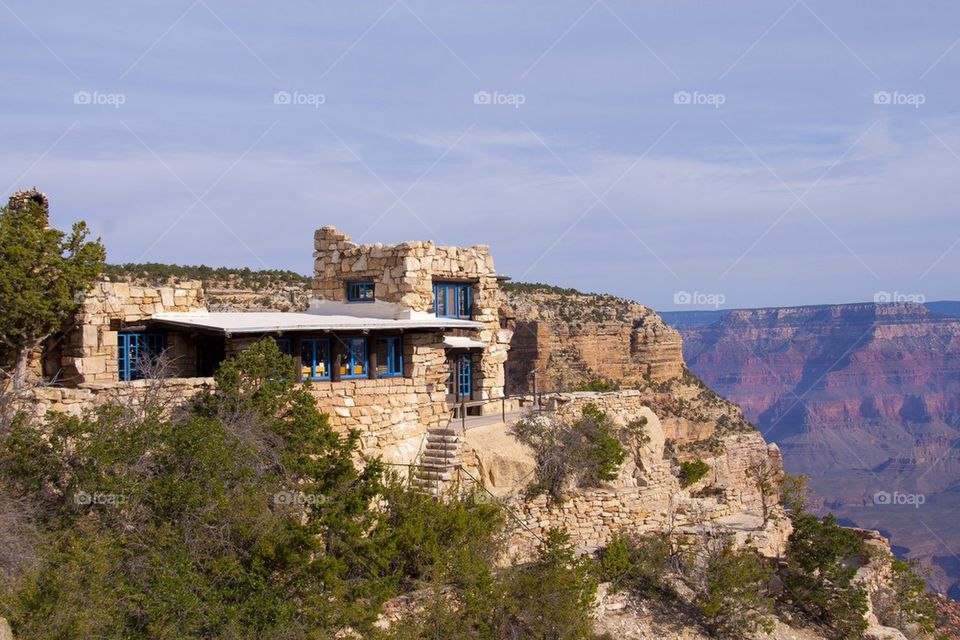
point(397, 340)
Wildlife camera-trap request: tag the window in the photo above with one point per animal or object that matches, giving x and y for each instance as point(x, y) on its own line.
point(285, 346)
point(136, 349)
point(389, 352)
point(451, 299)
point(353, 358)
point(315, 359)
point(360, 291)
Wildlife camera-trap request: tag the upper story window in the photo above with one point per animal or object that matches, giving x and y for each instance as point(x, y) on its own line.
point(315, 359)
point(451, 299)
point(136, 350)
point(353, 358)
point(389, 352)
point(361, 292)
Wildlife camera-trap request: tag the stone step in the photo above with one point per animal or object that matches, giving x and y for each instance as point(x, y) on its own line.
point(450, 439)
point(440, 454)
point(427, 474)
point(446, 457)
point(442, 432)
point(443, 446)
point(436, 466)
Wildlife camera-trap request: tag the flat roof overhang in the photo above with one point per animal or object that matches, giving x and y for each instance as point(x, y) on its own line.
point(257, 322)
point(461, 342)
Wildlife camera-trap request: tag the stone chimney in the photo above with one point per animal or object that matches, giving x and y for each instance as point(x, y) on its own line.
point(22, 200)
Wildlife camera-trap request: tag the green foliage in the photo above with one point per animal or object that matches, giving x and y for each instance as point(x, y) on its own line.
point(551, 598)
point(248, 518)
point(44, 273)
point(637, 564)
point(538, 287)
point(904, 602)
point(597, 384)
point(588, 449)
point(733, 599)
point(422, 540)
point(157, 272)
point(819, 578)
point(795, 494)
point(691, 472)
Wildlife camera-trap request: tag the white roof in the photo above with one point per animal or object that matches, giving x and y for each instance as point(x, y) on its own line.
point(461, 342)
point(276, 321)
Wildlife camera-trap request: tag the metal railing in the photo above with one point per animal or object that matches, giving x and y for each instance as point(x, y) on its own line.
point(456, 489)
point(462, 406)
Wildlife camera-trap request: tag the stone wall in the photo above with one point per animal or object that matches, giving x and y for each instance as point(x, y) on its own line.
point(88, 353)
point(646, 496)
point(404, 275)
point(168, 393)
point(392, 414)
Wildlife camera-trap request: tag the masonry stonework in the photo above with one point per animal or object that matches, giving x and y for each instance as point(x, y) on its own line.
point(405, 274)
point(88, 354)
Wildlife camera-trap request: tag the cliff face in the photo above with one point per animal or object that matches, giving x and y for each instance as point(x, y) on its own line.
point(864, 398)
point(885, 378)
point(569, 339)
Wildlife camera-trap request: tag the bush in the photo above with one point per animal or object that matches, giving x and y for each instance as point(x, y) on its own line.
point(597, 384)
point(547, 599)
point(550, 598)
point(587, 450)
point(421, 540)
point(733, 599)
point(249, 518)
point(691, 472)
point(637, 564)
point(819, 578)
point(904, 602)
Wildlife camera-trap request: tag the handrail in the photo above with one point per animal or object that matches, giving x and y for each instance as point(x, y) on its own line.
point(477, 483)
point(501, 503)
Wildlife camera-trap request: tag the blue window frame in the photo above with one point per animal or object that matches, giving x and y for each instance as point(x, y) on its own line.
point(136, 348)
point(389, 352)
point(361, 291)
point(353, 358)
point(315, 359)
point(451, 299)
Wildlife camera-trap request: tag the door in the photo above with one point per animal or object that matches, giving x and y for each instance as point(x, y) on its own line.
point(461, 376)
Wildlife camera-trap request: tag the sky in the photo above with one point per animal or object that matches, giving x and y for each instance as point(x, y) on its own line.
point(688, 155)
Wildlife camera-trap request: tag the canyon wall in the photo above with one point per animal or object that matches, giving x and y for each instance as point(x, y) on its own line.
point(567, 339)
point(865, 399)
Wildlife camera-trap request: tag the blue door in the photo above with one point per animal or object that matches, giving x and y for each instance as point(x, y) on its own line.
point(464, 376)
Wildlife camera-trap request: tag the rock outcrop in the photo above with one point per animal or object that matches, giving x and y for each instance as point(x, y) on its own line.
point(647, 496)
point(568, 339)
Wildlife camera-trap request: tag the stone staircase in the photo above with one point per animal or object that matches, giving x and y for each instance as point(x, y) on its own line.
point(436, 467)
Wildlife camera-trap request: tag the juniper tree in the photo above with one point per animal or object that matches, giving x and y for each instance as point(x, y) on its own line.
point(43, 272)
